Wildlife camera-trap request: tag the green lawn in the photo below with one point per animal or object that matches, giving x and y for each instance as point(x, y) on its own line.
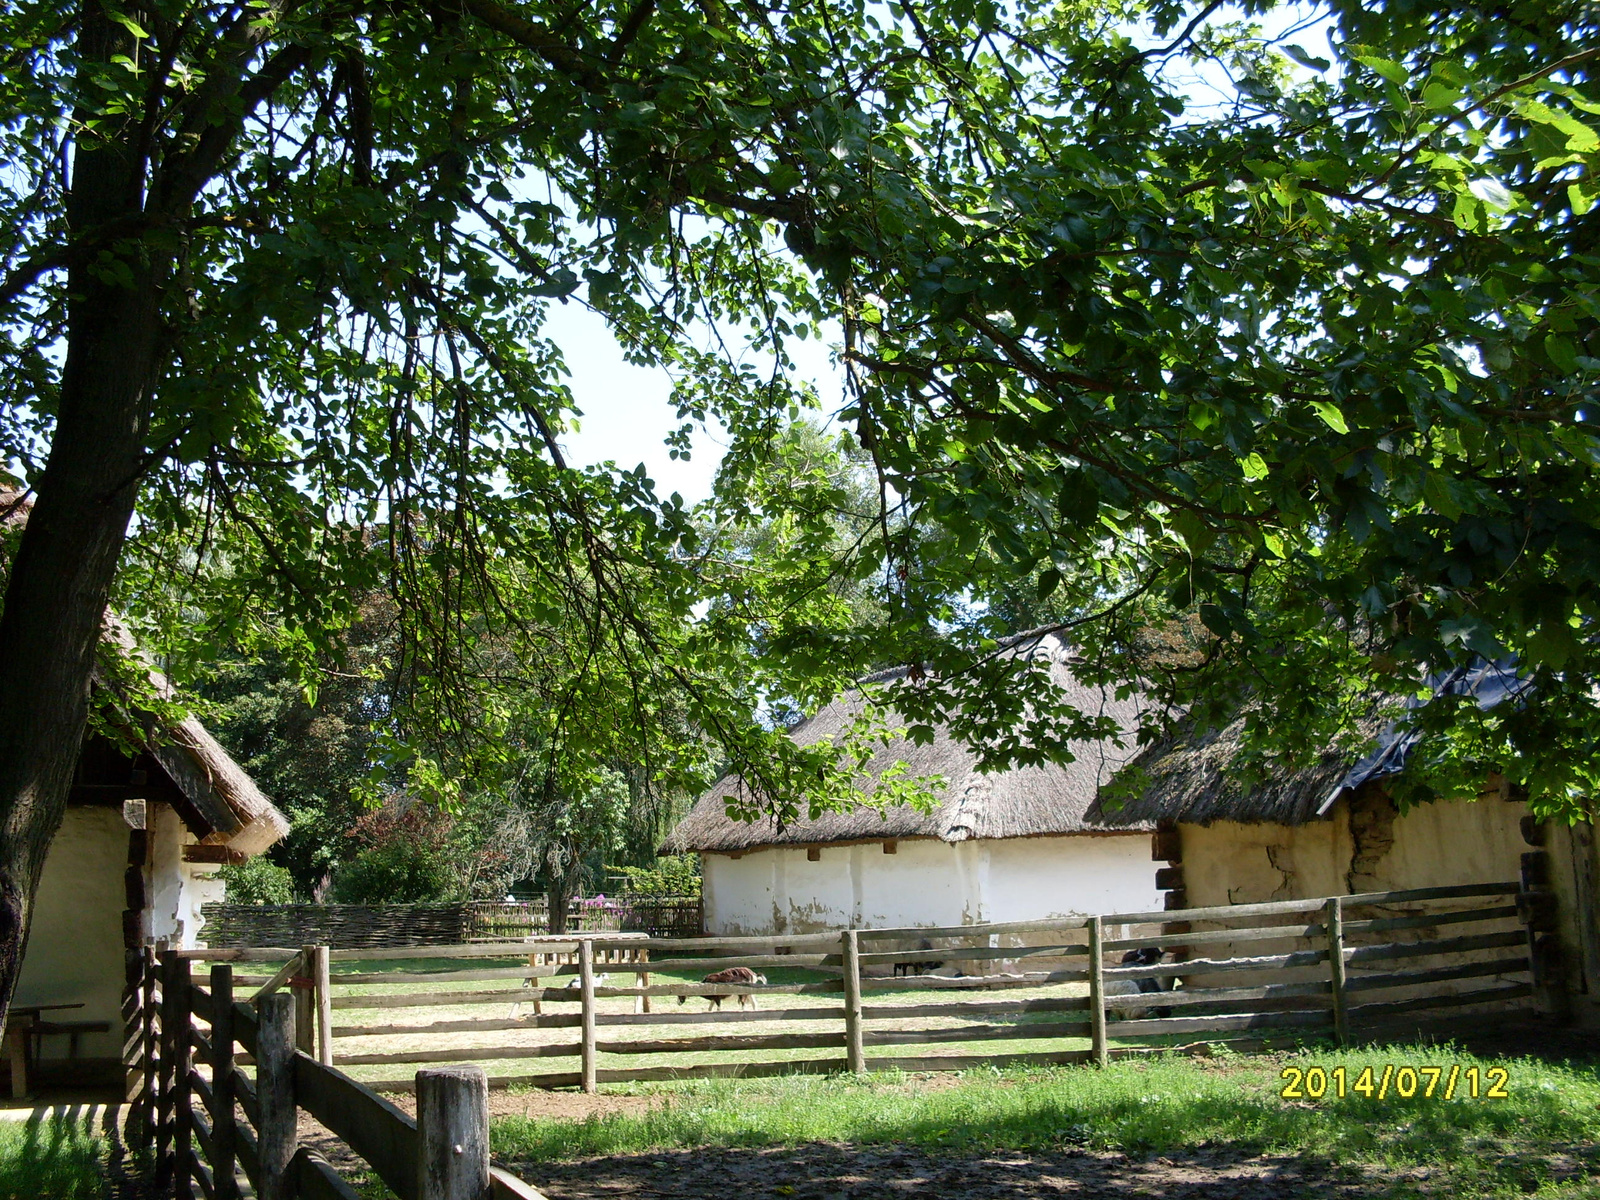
point(50, 1160)
point(1548, 1127)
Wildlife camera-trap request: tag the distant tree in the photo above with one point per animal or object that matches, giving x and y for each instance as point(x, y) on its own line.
point(403, 853)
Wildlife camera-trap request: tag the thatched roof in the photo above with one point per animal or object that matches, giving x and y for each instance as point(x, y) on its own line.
point(1020, 802)
point(1191, 776)
point(227, 806)
point(223, 803)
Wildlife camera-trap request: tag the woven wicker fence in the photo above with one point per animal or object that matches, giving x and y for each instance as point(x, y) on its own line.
point(381, 926)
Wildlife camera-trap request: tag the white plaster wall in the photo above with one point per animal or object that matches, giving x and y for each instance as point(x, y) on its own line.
point(75, 953)
point(1034, 878)
point(175, 889)
point(926, 882)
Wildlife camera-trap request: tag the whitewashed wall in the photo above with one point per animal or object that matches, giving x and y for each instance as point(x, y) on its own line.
point(74, 951)
point(175, 889)
point(927, 882)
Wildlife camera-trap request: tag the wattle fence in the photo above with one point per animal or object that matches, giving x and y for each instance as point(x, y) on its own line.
point(387, 926)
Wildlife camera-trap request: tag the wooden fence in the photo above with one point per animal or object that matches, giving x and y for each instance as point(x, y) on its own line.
point(1345, 968)
point(207, 1122)
point(386, 926)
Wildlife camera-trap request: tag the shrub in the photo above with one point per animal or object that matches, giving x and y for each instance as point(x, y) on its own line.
point(257, 881)
point(669, 875)
point(396, 872)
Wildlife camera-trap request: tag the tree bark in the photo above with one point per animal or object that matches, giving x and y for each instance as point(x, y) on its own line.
point(60, 580)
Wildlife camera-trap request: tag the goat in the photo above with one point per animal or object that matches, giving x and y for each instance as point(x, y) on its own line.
point(732, 975)
point(1148, 956)
point(575, 984)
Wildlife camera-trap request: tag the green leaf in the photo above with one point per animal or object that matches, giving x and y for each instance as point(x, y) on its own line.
point(1438, 95)
point(1306, 59)
point(1387, 67)
point(129, 24)
point(1253, 466)
point(1562, 353)
point(1049, 581)
point(1331, 415)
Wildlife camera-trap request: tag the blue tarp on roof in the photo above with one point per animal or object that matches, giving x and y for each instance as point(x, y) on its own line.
point(1489, 683)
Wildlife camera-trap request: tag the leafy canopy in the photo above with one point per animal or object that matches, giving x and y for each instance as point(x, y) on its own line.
point(1300, 371)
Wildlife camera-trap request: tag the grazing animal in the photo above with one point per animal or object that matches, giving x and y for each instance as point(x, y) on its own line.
point(575, 984)
point(1147, 956)
point(732, 975)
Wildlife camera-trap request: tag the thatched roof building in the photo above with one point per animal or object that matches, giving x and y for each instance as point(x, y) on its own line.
point(1192, 776)
point(180, 763)
point(1016, 803)
point(175, 762)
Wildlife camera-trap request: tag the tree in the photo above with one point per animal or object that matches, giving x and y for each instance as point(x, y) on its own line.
point(276, 275)
point(1308, 364)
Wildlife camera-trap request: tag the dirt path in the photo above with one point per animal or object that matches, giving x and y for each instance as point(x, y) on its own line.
point(841, 1172)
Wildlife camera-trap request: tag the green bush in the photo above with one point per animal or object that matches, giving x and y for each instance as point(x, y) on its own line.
point(669, 875)
point(257, 881)
point(396, 872)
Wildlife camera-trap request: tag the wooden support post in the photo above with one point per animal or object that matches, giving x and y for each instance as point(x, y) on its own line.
point(182, 1091)
point(150, 1052)
point(223, 1128)
point(323, 995)
point(586, 994)
point(1334, 920)
point(452, 1133)
point(855, 1046)
point(275, 1103)
point(1097, 993)
point(172, 968)
point(643, 955)
point(305, 1002)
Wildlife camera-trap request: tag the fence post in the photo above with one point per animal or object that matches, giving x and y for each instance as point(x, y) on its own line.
point(223, 1129)
point(643, 977)
point(275, 1102)
point(143, 1122)
point(303, 988)
point(586, 994)
point(1334, 921)
point(452, 1133)
point(855, 1049)
point(165, 1084)
point(1097, 993)
point(324, 1005)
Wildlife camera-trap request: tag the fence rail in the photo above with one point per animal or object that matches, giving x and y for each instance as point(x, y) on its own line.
point(215, 1128)
point(1343, 967)
point(387, 926)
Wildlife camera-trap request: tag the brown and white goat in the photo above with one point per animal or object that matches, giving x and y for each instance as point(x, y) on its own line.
point(732, 975)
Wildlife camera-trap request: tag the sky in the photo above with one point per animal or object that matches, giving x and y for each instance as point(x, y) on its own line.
point(628, 412)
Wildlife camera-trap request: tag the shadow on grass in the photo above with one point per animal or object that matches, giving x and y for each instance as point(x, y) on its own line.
point(54, 1157)
point(1544, 1133)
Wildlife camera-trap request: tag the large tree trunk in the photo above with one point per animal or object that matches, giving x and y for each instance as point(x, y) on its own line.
point(59, 583)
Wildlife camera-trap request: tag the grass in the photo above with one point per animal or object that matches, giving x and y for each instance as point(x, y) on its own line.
point(50, 1160)
point(1537, 1140)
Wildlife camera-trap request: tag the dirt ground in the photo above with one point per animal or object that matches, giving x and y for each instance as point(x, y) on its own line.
point(841, 1172)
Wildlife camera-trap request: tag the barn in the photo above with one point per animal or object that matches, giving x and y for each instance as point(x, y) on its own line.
point(155, 808)
point(1333, 828)
point(1012, 845)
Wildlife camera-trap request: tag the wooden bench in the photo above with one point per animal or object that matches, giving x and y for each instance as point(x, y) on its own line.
point(73, 1031)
